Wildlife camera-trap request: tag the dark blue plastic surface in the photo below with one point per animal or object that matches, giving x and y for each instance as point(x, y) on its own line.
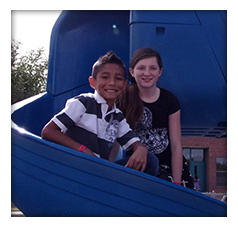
point(52, 180)
point(192, 45)
point(78, 39)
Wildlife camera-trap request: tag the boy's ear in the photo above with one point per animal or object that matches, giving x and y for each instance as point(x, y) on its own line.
point(91, 82)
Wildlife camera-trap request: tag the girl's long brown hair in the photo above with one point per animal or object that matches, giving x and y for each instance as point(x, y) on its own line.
point(129, 102)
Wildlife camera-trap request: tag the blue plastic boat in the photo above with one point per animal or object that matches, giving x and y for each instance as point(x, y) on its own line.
point(52, 180)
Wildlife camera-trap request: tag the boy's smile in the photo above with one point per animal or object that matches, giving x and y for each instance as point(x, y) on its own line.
point(109, 83)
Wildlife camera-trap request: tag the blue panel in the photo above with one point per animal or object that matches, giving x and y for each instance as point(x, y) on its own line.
point(214, 24)
point(78, 39)
point(164, 16)
point(194, 61)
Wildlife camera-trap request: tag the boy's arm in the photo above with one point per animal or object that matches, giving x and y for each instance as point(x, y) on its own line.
point(138, 159)
point(53, 133)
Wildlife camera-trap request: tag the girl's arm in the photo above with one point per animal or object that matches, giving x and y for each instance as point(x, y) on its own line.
point(176, 146)
point(53, 133)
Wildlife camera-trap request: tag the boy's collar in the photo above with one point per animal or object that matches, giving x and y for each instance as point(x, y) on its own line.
point(101, 100)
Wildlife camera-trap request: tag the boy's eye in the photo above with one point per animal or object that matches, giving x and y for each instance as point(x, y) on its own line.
point(119, 78)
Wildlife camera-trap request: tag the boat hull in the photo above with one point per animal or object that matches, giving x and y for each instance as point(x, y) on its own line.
point(52, 180)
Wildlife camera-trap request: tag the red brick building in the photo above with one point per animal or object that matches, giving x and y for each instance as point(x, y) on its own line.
point(207, 157)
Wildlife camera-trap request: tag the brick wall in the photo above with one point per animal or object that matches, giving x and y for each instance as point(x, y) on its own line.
point(214, 147)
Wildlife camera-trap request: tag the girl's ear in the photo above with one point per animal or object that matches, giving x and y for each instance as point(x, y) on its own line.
point(132, 72)
point(161, 70)
point(91, 82)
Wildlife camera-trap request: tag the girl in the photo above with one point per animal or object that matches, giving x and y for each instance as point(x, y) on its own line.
point(154, 114)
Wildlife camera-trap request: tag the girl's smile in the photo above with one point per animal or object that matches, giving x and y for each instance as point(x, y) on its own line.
point(146, 72)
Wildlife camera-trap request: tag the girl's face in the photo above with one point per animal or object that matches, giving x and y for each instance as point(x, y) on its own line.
point(146, 72)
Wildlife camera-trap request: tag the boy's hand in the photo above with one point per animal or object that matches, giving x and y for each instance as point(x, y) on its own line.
point(138, 159)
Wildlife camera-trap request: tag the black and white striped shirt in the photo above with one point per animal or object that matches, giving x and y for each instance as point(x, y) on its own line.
point(86, 119)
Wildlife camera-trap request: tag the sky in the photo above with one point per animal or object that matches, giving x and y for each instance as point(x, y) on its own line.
point(33, 28)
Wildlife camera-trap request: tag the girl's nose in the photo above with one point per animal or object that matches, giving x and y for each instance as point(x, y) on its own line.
point(147, 72)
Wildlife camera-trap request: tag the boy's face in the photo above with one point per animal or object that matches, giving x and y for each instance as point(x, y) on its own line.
point(109, 83)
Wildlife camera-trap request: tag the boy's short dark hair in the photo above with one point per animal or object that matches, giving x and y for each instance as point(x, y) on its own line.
point(109, 58)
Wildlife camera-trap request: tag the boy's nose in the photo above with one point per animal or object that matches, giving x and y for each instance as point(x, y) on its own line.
point(112, 81)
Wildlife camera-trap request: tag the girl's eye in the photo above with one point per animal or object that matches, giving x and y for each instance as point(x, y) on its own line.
point(119, 78)
point(140, 68)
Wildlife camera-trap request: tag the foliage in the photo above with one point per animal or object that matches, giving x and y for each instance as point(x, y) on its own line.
point(28, 72)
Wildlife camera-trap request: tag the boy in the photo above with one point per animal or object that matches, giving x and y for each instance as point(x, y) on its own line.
point(90, 123)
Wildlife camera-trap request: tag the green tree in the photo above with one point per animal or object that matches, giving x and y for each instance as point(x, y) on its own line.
point(28, 72)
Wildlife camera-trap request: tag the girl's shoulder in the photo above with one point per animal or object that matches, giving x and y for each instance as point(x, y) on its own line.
point(166, 92)
point(168, 95)
point(170, 100)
